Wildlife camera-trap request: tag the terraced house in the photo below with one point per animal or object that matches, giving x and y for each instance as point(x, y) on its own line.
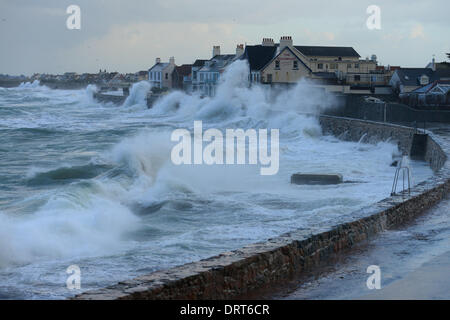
point(208, 75)
point(161, 75)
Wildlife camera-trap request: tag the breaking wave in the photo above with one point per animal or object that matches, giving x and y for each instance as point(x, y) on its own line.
point(34, 84)
point(138, 94)
point(91, 209)
point(65, 174)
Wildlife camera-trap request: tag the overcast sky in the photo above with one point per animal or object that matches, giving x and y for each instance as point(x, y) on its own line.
point(127, 36)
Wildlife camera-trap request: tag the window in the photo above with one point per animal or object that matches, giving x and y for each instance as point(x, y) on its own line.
point(295, 65)
point(424, 80)
point(269, 78)
point(320, 66)
point(333, 66)
point(194, 75)
point(201, 76)
point(167, 76)
point(349, 66)
point(357, 77)
point(357, 65)
point(277, 64)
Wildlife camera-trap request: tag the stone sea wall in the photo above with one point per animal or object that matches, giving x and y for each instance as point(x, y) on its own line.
point(372, 132)
point(264, 265)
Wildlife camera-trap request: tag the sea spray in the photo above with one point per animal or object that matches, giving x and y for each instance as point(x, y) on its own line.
point(75, 224)
point(141, 212)
point(28, 85)
point(90, 90)
point(138, 94)
point(291, 109)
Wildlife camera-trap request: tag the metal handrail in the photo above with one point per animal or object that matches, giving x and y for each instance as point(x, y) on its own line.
point(404, 169)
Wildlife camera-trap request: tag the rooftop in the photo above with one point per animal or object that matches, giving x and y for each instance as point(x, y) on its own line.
point(327, 51)
point(184, 70)
point(258, 56)
point(159, 66)
point(410, 76)
point(199, 62)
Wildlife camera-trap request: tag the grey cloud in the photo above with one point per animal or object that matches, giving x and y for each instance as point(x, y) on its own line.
point(34, 36)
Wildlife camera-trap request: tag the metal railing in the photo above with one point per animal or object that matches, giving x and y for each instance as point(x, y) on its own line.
point(402, 168)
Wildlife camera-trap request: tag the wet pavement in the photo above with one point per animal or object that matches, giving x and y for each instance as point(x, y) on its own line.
point(414, 263)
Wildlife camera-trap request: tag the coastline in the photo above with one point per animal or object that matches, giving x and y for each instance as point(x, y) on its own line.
point(261, 266)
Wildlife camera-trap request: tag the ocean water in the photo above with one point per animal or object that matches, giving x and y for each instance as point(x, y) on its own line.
point(90, 184)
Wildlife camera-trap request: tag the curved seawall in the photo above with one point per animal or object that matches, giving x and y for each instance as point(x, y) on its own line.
point(267, 264)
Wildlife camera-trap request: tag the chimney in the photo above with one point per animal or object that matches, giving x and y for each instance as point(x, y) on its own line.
point(172, 60)
point(268, 42)
point(433, 64)
point(216, 51)
point(239, 50)
point(285, 41)
point(158, 60)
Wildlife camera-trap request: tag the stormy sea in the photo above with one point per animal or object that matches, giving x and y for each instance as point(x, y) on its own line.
point(92, 184)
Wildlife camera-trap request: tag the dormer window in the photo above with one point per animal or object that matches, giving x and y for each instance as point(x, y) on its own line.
point(424, 80)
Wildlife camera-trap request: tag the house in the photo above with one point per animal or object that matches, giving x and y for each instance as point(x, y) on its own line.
point(118, 78)
point(441, 70)
point(384, 74)
point(345, 62)
point(405, 80)
point(208, 75)
point(275, 63)
point(258, 56)
point(436, 93)
point(182, 77)
point(197, 65)
point(287, 66)
point(161, 74)
point(283, 62)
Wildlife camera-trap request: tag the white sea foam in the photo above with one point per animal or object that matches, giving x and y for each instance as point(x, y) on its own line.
point(34, 84)
point(69, 225)
point(138, 94)
point(227, 206)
